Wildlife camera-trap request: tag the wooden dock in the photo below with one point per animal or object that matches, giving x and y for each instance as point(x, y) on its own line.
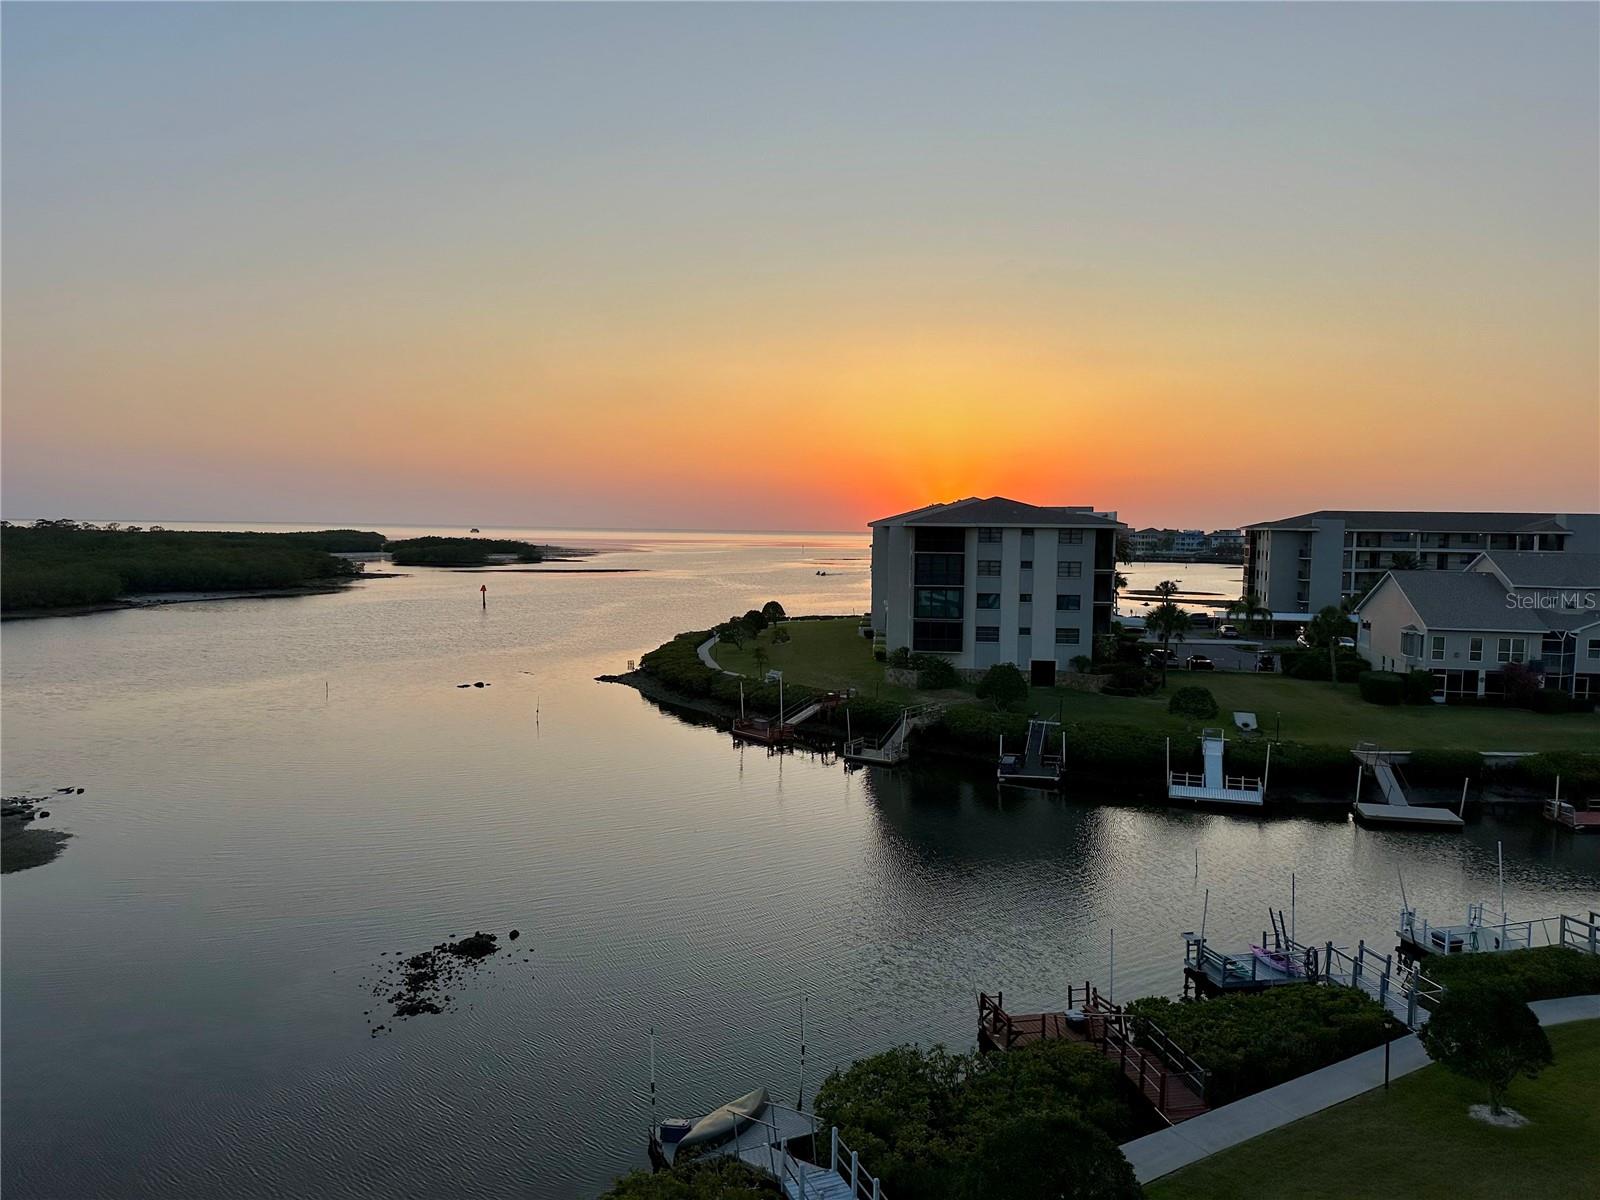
point(1568, 816)
point(1171, 1082)
point(1214, 973)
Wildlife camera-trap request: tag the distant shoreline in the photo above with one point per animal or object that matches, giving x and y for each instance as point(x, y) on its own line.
point(161, 600)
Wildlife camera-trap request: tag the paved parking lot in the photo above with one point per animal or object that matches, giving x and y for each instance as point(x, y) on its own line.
point(1228, 655)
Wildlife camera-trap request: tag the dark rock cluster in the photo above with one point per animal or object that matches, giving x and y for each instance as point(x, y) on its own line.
point(427, 982)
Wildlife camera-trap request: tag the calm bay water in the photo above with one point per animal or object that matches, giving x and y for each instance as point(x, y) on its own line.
point(279, 792)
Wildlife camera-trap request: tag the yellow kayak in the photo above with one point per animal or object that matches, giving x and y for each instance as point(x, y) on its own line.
point(724, 1122)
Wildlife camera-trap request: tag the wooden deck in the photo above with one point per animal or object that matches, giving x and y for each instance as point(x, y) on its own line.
point(1570, 817)
point(1175, 1092)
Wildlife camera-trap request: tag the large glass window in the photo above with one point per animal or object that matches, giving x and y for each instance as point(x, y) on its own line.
point(1067, 637)
point(941, 568)
point(988, 567)
point(988, 599)
point(988, 633)
point(940, 603)
point(1068, 569)
point(1512, 649)
point(944, 636)
point(1072, 603)
point(941, 539)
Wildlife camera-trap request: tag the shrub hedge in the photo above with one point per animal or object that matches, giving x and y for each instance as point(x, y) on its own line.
point(1193, 702)
point(1381, 687)
point(1541, 973)
point(1249, 1043)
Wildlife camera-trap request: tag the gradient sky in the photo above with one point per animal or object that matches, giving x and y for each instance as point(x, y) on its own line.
point(797, 266)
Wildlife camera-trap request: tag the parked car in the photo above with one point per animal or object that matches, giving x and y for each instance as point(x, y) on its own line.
point(1159, 656)
point(1199, 662)
point(1229, 631)
point(1347, 643)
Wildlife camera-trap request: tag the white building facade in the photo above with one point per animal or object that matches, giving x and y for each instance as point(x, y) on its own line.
point(985, 581)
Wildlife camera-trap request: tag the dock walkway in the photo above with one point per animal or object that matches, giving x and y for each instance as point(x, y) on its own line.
point(1213, 785)
point(1396, 807)
point(1168, 1150)
point(1170, 1081)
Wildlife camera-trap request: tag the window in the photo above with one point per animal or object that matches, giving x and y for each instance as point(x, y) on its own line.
point(1067, 637)
point(1025, 630)
point(1073, 603)
point(988, 599)
point(988, 537)
point(1027, 564)
point(1410, 643)
point(988, 566)
point(1027, 535)
point(1512, 649)
point(1069, 570)
point(1069, 537)
point(942, 604)
point(936, 635)
point(1436, 650)
point(1027, 598)
point(941, 568)
point(988, 633)
point(941, 539)
point(1475, 650)
point(1594, 647)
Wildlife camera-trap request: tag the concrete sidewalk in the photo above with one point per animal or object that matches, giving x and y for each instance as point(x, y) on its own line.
point(1158, 1154)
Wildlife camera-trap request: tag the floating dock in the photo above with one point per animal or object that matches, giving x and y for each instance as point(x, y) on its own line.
point(1172, 1082)
point(1035, 766)
point(1394, 808)
point(1566, 815)
point(1263, 966)
point(893, 746)
point(1213, 786)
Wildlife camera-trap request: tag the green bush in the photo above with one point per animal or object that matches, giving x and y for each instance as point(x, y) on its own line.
point(1249, 1043)
point(719, 1178)
point(934, 673)
point(927, 1121)
point(1579, 772)
point(459, 552)
point(901, 658)
point(1004, 685)
point(1551, 700)
point(1130, 679)
point(1442, 768)
point(1380, 687)
point(1193, 702)
point(1313, 664)
point(1542, 973)
point(1081, 1163)
point(1419, 687)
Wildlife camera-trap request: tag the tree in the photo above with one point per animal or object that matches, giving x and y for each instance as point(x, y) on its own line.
point(1404, 560)
point(1250, 609)
point(773, 612)
point(1487, 1033)
point(1167, 589)
point(732, 631)
point(1327, 627)
point(1047, 1156)
point(719, 1178)
point(1004, 684)
point(761, 660)
point(1167, 621)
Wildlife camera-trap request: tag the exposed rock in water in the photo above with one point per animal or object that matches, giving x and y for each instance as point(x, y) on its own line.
point(479, 945)
point(21, 845)
point(425, 983)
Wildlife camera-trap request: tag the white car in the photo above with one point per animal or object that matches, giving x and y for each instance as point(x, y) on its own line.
point(1347, 643)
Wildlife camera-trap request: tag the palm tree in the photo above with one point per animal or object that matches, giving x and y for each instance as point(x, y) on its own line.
point(1167, 621)
point(1404, 560)
point(1249, 609)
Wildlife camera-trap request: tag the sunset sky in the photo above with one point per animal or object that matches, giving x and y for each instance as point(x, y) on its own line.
point(796, 267)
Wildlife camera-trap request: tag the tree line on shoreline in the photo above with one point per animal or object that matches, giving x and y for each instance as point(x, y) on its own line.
point(58, 564)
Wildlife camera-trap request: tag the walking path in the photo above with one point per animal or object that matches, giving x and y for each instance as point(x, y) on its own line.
point(704, 651)
point(1161, 1153)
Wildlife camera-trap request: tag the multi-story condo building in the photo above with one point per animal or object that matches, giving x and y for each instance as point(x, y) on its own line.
point(985, 581)
point(1302, 564)
point(1538, 609)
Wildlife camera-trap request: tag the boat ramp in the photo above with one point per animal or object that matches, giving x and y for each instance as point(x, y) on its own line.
point(1393, 807)
point(1035, 766)
point(1213, 785)
point(1172, 1082)
point(893, 746)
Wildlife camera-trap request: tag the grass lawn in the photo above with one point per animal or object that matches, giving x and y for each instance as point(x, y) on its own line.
point(1417, 1141)
point(833, 655)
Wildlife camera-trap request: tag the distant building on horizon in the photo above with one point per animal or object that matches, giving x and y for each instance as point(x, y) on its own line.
point(986, 581)
point(1300, 565)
